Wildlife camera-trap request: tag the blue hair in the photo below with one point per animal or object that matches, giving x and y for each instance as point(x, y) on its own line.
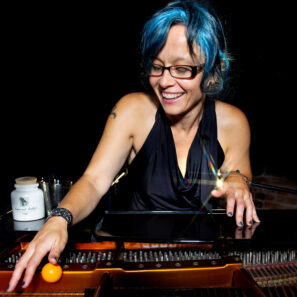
point(203, 28)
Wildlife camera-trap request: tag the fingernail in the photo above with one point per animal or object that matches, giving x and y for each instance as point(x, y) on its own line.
point(239, 229)
point(230, 213)
point(7, 288)
point(250, 222)
point(240, 223)
point(23, 283)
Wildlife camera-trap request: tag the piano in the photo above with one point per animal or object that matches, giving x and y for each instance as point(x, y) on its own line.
point(165, 253)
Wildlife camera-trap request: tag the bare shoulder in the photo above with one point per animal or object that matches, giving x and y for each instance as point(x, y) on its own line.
point(135, 115)
point(233, 127)
point(135, 105)
point(230, 116)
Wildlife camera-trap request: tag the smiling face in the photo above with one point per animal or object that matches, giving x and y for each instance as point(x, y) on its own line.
point(177, 96)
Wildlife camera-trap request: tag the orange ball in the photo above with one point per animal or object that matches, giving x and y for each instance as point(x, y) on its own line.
point(51, 273)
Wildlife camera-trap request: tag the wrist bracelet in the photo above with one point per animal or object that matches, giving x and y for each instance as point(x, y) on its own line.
point(61, 212)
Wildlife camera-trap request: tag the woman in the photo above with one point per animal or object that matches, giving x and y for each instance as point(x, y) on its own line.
point(175, 136)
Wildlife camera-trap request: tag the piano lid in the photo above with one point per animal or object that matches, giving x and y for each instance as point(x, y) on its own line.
point(277, 227)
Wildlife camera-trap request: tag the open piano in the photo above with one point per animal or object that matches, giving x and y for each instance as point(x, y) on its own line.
point(167, 254)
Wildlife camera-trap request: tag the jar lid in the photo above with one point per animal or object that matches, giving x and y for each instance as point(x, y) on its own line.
point(26, 180)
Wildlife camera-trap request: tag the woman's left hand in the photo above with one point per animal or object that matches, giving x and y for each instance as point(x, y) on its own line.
point(238, 196)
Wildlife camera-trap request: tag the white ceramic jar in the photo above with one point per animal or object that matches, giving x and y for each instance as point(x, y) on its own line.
point(27, 200)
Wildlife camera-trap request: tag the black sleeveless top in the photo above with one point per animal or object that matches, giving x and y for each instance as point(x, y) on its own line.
point(154, 180)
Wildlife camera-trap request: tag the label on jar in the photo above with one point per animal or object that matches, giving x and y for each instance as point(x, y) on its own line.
point(26, 207)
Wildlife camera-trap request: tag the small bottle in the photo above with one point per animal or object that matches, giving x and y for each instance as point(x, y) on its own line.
point(27, 200)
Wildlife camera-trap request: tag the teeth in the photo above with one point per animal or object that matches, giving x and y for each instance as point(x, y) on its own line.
point(171, 96)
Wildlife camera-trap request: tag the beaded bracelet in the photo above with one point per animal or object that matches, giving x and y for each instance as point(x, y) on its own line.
point(61, 212)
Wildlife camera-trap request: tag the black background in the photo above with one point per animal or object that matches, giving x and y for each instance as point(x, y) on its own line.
point(65, 66)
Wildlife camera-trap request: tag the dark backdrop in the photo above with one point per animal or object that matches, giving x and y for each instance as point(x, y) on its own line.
point(65, 66)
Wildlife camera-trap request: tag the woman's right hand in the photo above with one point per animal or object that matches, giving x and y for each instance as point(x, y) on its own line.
point(52, 239)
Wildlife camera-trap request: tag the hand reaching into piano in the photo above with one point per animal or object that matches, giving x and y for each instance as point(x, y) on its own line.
point(52, 239)
point(239, 198)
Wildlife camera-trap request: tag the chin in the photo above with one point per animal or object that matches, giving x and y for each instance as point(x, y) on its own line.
point(174, 109)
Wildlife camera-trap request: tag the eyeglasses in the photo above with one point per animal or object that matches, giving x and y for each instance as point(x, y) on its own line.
point(179, 71)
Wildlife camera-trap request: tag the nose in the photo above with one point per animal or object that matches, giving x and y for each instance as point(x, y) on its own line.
point(166, 79)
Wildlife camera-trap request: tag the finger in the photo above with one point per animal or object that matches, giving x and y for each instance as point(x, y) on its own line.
point(17, 273)
point(54, 255)
point(249, 209)
point(230, 204)
point(33, 264)
point(53, 259)
point(255, 216)
point(217, 193)
point(240, 205)
point(19, 269)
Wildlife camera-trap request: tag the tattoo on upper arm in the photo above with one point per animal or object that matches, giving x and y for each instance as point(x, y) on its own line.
point(113, 112)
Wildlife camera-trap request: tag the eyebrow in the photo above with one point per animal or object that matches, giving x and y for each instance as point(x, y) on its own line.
point(177, 59)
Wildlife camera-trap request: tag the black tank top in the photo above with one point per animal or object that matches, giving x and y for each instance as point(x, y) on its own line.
point(154, 180)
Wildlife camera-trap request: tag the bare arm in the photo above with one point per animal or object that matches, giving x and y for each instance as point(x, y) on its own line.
point(234, 136)
point(109, 157)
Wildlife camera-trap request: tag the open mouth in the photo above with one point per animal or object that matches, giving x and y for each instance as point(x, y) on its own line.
point(171, 97)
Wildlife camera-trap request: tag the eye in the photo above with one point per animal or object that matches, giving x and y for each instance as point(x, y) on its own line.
point(182, 69)
point(156, 67)
point(156, 70)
